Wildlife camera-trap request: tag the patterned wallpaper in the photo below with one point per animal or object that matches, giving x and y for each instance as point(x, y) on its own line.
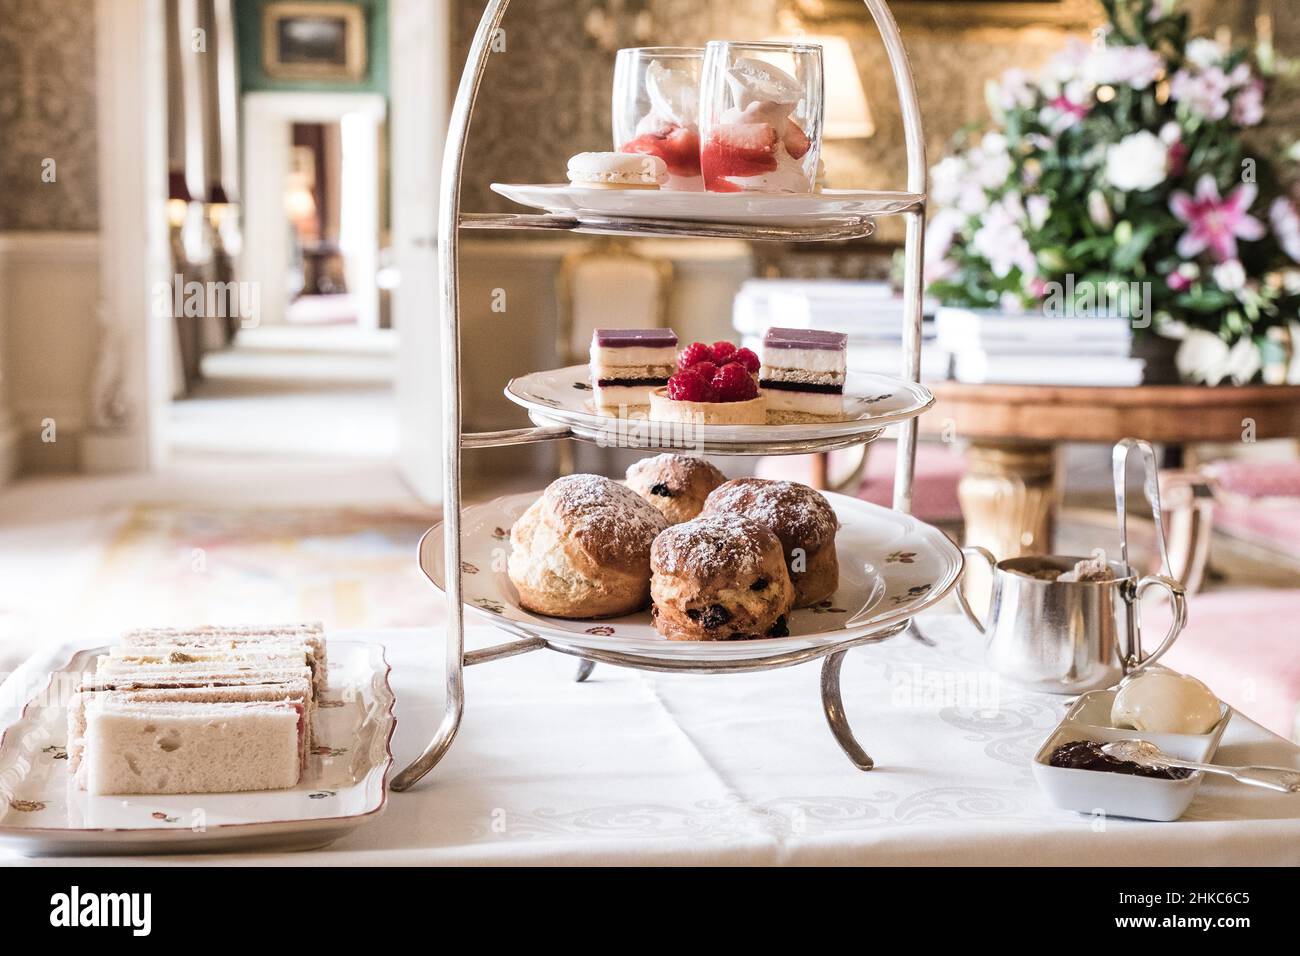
point(47, 111)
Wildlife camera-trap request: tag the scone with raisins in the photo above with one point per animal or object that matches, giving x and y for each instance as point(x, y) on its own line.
point(675, 484)
point(801, 517)
point(719, 578)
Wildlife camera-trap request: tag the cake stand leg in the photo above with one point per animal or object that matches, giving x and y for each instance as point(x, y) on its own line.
point(585, 667)
point(833, 704)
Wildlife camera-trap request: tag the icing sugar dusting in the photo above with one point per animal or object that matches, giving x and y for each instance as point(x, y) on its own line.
point(711, 545)
point(798, 514)
point(608, 518)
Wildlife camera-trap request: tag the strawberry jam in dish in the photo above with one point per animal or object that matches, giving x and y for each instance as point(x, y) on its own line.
point(756, 144)
point(713, 385)
point(656, 104)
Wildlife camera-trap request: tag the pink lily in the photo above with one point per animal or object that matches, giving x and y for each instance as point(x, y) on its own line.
point(1069, 112)
point(1214, 223)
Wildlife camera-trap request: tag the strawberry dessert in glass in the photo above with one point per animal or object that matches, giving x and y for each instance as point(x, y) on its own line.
point(761, 116)
point(656, 109)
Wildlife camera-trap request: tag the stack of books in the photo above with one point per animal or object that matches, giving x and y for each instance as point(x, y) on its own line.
point(1037, 349)
point(869, 313)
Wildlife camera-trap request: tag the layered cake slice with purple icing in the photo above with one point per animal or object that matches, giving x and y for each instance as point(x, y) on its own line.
point(803, 373)
point(628, 364)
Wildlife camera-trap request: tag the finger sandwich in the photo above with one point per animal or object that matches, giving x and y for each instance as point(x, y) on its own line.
point(198, 710)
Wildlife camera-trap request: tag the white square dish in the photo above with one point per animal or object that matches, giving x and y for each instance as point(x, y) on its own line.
point(1112, 794)
point(1091, 712)
point(344, 786)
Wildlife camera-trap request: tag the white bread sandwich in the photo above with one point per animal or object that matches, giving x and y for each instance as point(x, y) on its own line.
point(188, 747)
point(283, 638)
point(287, 686)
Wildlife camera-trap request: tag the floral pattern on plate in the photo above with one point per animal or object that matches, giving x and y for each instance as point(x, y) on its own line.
point(43, 813)
point(874, 593)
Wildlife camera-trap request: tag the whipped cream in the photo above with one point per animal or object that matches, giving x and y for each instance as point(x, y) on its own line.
point(674, 95)
point(756, 81)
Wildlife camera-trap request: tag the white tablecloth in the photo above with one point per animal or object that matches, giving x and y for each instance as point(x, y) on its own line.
point(638, 768)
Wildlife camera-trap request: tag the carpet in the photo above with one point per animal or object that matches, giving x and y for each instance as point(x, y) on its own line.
point(346, 567)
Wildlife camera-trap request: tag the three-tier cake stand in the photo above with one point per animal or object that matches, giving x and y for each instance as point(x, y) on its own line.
point(909, 203)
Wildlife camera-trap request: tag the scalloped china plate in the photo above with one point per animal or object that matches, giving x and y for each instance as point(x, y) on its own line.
point(345, 784)
point(563, 396)
point(892, 566)
point(830, 206)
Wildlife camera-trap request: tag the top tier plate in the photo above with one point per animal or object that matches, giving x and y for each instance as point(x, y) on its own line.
point(831, 207)
point(563, 396)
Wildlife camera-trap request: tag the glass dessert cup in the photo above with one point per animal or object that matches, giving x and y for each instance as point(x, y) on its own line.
point(761, 116)
point(656, 109)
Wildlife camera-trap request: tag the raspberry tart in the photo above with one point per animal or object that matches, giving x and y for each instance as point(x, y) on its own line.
point(714, 385)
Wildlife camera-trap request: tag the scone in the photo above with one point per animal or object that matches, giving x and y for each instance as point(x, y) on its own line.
point(583, 549)
point(803, 520)
point(675, 484)
point(719, 579)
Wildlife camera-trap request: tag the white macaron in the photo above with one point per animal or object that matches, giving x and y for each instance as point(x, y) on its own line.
point(617, 171)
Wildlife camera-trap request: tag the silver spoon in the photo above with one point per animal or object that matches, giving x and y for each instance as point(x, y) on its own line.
point(1149, 755)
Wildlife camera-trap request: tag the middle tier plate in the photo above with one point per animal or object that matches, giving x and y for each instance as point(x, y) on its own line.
point(892, 567)
point(564, 396)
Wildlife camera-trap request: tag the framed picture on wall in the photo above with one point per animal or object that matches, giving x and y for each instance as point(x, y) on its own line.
point(314, 41)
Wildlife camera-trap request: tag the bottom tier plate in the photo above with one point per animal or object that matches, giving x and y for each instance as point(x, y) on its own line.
point(892, 567)
point(344, 786)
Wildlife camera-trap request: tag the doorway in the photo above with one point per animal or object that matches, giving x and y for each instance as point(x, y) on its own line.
point(310, 373)
point(352, 343)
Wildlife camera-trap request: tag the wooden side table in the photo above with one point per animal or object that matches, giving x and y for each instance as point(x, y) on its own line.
point(1013, 432)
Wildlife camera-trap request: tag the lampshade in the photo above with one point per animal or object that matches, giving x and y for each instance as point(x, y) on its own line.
point(847, 114)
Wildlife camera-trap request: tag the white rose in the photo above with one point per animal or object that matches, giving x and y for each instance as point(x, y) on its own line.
point(1203, 357)
point(946, 178)
point(1229, 276)
point(1243, 361)
point(1204, 52)
point(1137, 162)
point(1039, 207)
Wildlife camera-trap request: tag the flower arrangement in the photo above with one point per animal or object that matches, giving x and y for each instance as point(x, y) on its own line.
point(1124, 164)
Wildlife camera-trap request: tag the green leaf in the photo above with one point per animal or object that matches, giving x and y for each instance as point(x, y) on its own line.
point(1131, 250)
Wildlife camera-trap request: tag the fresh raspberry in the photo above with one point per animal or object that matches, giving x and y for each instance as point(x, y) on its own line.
point(734, 384)
point(796, 140)
point(690, 387)
point(706, 370)
point(722, 352)
point(747, 358)
point(693, 354)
